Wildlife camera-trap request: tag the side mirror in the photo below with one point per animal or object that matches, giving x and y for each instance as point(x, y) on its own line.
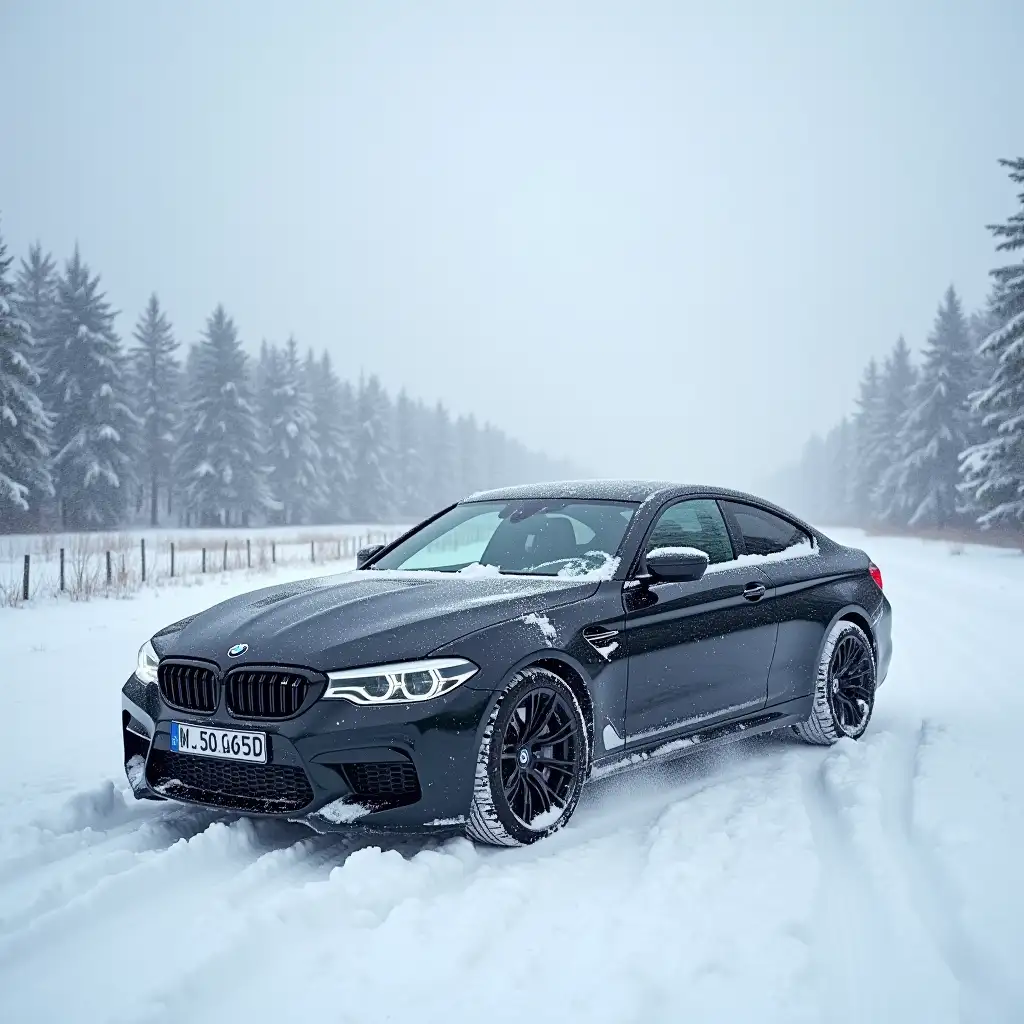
point(678, 565)
point(363, 555)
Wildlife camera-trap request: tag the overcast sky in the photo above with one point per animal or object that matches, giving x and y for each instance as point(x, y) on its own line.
point(659, 238)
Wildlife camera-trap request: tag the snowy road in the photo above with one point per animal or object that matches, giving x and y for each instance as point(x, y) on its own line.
point(876, 881)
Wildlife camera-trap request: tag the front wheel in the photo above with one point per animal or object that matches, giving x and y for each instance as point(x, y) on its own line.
point(532, 762)
point(844, 692)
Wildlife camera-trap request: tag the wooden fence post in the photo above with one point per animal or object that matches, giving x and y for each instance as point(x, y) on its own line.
point(273, 551)
point(62, 570)
point(142, 544)
point(24, 579)
point(204, 559)
point(312, 550)
point(248, 553)
point(172, 559)
point(110, 570)
point(225, 569)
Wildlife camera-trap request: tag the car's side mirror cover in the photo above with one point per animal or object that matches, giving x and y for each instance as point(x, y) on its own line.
point(363, 555)
point(679, 565)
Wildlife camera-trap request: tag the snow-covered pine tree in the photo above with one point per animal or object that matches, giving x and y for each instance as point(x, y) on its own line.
point(35, 290)
point(443, 486)
point(24, 424)
point(93, 432)
point(292, 452)
point(493, 457)
point(871, 445)
point(332, 410)
point(156, 400)
point(994, 468)
point(897, 384)
point(371, 488)
point(220, 462)
point(407, 460)
point(467, 443)
point(922, 483)
point(838, 476)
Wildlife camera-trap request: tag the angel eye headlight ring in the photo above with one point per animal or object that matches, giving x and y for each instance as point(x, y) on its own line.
point(401, 682)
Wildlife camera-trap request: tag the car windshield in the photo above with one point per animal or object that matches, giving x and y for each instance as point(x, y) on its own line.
point(535, 537)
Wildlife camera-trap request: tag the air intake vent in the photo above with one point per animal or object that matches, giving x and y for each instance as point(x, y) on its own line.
point(266, 789)
point(394, 782)
point(602, 640)
point(190, 687)
point(265, 693)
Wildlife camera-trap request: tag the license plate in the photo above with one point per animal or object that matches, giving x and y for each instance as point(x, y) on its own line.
point(227, 743)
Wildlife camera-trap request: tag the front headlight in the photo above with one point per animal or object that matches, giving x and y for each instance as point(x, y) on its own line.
point(401, 682)
point(145, 666)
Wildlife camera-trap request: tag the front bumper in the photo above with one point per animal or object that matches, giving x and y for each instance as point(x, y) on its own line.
point(408, 767)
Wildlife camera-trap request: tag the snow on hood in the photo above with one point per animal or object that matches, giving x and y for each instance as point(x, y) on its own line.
point(360, 617)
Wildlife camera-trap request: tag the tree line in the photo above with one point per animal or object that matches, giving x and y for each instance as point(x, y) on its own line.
point(939, 443)
point(95, 434)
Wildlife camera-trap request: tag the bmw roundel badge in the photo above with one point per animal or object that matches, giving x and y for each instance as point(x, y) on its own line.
point(238, 650)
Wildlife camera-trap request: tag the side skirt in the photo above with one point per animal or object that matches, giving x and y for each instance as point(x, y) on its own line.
point(767, 720)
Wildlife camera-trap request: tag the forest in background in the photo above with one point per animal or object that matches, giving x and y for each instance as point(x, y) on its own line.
point(98, 434)
point(934, 444)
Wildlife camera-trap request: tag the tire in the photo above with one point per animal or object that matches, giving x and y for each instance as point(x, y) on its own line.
point(501, 815)
point(844, 690)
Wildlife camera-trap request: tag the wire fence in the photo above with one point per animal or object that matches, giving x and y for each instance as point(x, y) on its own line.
point(81, 566)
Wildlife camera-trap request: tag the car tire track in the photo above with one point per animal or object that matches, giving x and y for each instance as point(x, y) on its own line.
point(985, 996)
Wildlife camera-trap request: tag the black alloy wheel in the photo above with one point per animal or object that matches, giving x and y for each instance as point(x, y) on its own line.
point(533, 762)
point(844, 689)
point(540, 755)
point(852, 683)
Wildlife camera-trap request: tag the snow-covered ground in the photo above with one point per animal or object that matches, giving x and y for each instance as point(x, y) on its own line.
point(228, 550)
point(876, 881)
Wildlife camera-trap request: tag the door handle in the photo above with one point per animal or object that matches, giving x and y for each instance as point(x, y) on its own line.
point(754, 591)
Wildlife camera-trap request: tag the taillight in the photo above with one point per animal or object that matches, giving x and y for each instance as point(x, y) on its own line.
point(876, 574)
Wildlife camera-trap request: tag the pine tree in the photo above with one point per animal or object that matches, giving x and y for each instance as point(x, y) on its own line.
point(407, 460)
point(85, 366)
point(441, 459)
point(293, 455)
point(838, 473)
point(467, 442)
point(994, 468)
point(24, 424)
point(156, 397)
point(220, 455)
point(371, 488)
point(35, 291)
point(922, 483)
point(870, 444)
point(897, 383)
point(331, 402)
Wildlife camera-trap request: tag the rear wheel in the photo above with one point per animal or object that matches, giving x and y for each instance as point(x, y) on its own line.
point(532, 763)
point(844, 693)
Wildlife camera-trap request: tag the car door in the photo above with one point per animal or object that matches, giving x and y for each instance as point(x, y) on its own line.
point(797, 573)
point(698, 651)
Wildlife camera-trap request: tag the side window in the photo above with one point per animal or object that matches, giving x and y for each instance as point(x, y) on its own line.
point(693, 524)
point(764, 533)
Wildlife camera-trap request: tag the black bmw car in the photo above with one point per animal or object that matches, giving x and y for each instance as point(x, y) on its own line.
point(476, 672)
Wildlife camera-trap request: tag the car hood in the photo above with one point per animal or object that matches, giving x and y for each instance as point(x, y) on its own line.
point(361, 617)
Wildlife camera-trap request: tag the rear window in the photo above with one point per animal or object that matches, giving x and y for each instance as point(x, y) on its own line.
point(764, 533)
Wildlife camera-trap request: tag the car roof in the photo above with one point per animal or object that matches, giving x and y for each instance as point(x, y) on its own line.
point(593, 490)
point(616, 490)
